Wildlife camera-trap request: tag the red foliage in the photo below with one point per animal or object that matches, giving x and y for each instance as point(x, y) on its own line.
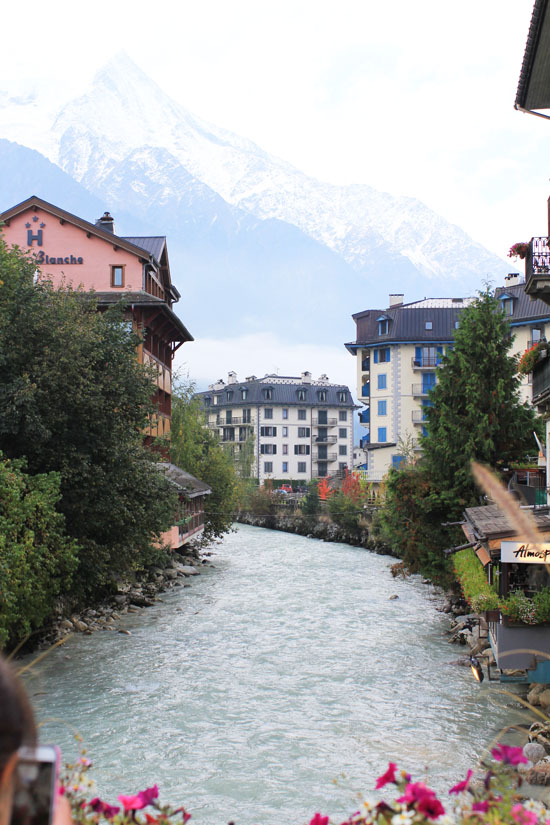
point(351, 487)
point(325, 491)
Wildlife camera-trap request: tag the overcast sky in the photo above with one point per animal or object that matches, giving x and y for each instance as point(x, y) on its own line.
point(411, 98)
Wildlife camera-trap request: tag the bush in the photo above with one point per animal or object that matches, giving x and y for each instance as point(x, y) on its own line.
point(477, 591)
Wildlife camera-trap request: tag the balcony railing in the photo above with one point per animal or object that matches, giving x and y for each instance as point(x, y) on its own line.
point(537, 269)
point(325, 439)
point(421, 390)
point(364, 416)
point(223, 422)
point(418, 416)
point(428, 362)
point(541, 380)
point(365, 364)
point(329, 422)
point(327, 457)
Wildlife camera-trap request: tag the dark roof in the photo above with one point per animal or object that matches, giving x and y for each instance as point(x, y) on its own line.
point(143, 299)
point(491, 523)
point(533, 90)
point(406, 324)
point(524, 308)
point(188, 484)
point(153, 245)
point(282, 394)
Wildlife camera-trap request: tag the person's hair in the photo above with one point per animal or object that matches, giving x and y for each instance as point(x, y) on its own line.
point(16, 717)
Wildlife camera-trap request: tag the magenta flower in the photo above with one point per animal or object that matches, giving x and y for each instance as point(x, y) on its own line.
point(389, 776)
point(100, 807)
point(319, 820)
point(523, 817)
point(462, 786)
point(424, 800)
point(140, 800)
point(507, 754)
point(481, 807)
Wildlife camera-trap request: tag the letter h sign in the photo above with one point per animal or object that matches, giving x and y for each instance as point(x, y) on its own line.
point(31, 237)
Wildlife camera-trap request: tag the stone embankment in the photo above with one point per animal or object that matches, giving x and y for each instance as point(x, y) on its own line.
point(315, 528)
point(130, 597)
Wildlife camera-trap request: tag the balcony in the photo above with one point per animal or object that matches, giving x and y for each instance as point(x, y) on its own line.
point(426, 362)
point(325, 439)
point(364, 416)
point(365, 364)
point(537, 269)
point(327, 457)
point(365, 441)
point(421, 390)
point(329, 422)
point(224, 422)
point(541, 381)
point(365, 390)
point(418, 416)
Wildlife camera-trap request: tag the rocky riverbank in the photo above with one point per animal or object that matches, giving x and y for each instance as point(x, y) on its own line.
point(315, 527)
point(130, 597)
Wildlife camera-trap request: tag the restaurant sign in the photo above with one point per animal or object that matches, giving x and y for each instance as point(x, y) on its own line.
point(520, 552)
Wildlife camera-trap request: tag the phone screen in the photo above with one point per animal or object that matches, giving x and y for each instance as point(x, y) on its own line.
point(35, 787)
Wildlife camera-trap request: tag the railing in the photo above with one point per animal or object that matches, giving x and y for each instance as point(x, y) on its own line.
point(365, 364)
point(420, 390)
point(329, 422)
point(325, 439)
point(532, 342)
point(224, 422)
point(426, 362)
point(541, 379)
point(365, 390)
point(538, 261)
point(418, 416)
point(327, 457)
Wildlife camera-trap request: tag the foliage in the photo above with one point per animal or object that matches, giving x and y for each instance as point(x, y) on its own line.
point(75, 400)
point(197, 450)
point(351, 487)
point(37, 559)
point(344, 510)
point(519, 250)
point(470, 574)
point(494, 798)
point(530, 357)
point(476, 414)
point(262, 502)
point(324, 488)
point(310, 504)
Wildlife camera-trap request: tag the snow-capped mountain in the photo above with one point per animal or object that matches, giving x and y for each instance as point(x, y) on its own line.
point(126, 111)
point(255, 244)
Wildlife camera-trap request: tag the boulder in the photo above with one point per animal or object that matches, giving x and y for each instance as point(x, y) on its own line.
point(534, 752)
point(187, 570)
point(544, 698)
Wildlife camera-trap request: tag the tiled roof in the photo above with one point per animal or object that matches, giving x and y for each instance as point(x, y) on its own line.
point(154, 244)
point(281, 394)
point(188, 484)
point(491, 522)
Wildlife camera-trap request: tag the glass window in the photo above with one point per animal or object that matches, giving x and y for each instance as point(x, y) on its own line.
point(382, 435)
point(301, 415)
point(285, 432)
point(429, 325)
point(343, 449)
point(343, 415)
point(117, 276)
point(382, 381)
point(268, 466)
point(343, 432)
point(268, 394)
point(383, 327)
point(268, 412)
point(285, 466)
point(304, 432)
point(302, 467)
point(285, 449)
point(301, 395)
point(342, 396)
point(285, 413)
point(382, 408)
point(322, 395)
point(244, 393)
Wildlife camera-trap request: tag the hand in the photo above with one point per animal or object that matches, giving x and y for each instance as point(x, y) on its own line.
point(62, 814)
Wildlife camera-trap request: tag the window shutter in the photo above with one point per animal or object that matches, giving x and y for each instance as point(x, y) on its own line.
point(388, 354)
point(376, 356)
point(418, 355)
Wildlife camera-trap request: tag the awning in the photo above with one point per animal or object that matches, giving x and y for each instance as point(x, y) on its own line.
point(482, 555)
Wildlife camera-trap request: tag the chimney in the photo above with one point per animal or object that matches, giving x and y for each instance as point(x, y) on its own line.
point(106, 222)
point(231, 377)
point(306, 378)
point(220, 384)
point(396, 299)
point(323, 379)
point(512, 279)
point(250, 378)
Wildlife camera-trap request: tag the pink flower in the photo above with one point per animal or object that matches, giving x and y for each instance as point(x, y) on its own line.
point(424, 800)
point(140, 800)
point(507, 754)
point(319, 820)
point(462, 786)
point(523, 817)
point(389, 776)
point(100, 807)
point(481, 807)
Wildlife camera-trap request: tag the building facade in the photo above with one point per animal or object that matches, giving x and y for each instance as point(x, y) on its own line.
point(71, 251)
point(281, 427)
point(398, 352)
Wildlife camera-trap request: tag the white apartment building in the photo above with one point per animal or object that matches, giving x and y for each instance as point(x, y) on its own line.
point(398, 353)
point(293, 428)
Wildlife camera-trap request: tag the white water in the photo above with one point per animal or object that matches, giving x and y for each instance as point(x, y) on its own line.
point(246, 695)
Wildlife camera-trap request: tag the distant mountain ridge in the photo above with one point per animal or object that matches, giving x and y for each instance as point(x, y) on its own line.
point(254, 243)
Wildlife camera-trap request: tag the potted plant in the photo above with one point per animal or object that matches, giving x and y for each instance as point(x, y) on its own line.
point(519, 250)
point(530, 357)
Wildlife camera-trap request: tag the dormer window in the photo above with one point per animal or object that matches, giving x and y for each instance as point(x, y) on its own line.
point(244, 393)
point(229, 395)
point(301, 395)
point(507, 303)
point(267, 394)
point(342, 397)
point(207, 400)
point(429, 325)
point(383, 324)
point(322, 395)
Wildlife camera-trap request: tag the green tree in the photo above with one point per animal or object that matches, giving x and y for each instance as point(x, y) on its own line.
point(75, 400)
point(37, 559)
point(476, 414)
point(197, 450)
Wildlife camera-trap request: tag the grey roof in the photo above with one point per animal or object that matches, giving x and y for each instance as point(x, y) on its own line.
point(281, 394)
point(490, 522)
point(190, 486)
point(533, 90)
point(143, 299)
point(408, 323)
point(154, 244)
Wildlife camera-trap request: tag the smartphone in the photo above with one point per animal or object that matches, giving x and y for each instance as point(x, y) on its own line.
point(35, 785)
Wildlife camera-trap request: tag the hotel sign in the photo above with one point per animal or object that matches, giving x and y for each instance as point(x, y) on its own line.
point(42, 258)
point(520, 552)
